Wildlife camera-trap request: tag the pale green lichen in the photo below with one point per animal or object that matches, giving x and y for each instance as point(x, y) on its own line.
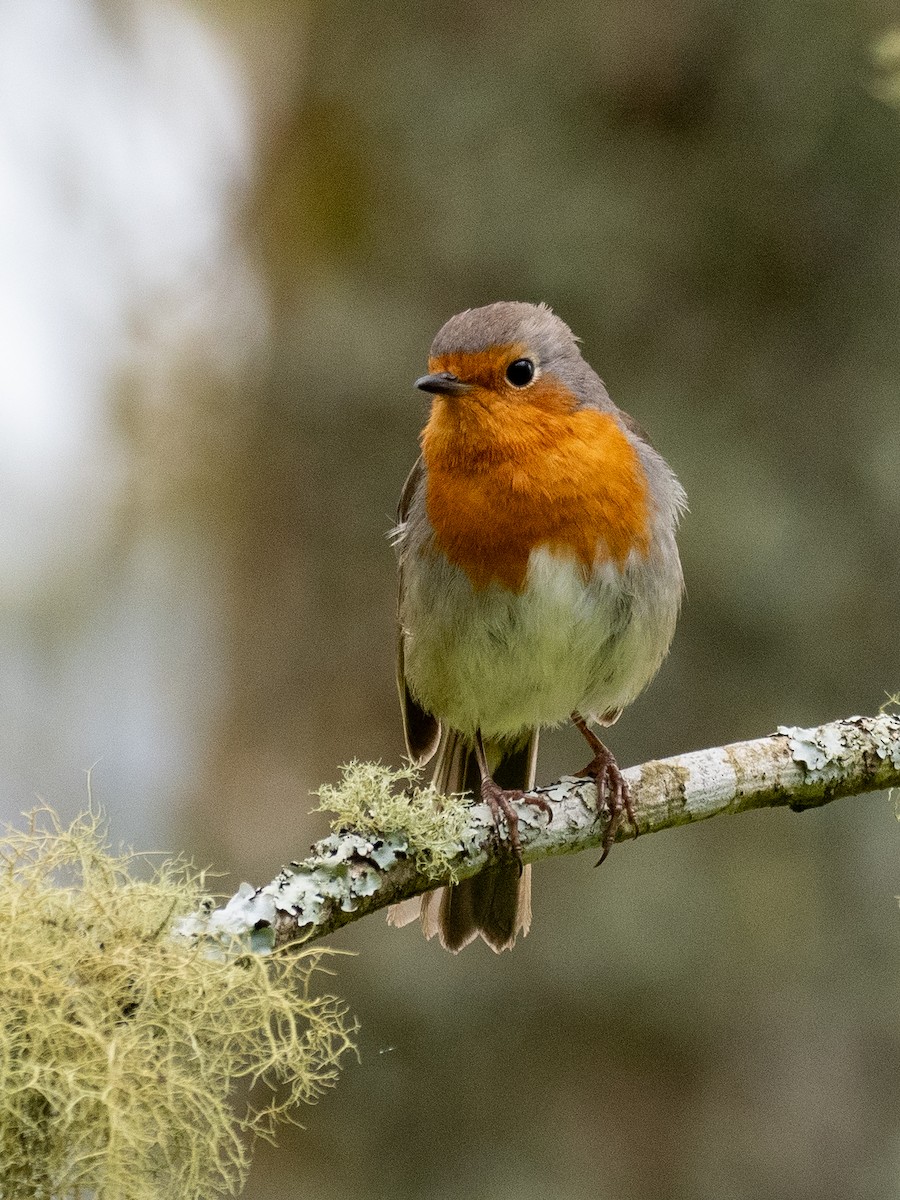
point(886, 735)
point(816, 749)
point(822, 751)
point(120, 1044)
point(378, 803)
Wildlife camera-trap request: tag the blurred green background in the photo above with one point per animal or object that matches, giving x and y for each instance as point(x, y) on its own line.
point(230, 230)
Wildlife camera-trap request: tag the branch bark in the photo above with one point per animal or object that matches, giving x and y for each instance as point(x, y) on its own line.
point(351, 875)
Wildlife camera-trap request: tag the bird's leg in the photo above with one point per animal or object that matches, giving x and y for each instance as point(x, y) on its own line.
point(502, 800)
point(612, 790)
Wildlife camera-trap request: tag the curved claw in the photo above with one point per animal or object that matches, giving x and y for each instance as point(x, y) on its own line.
point(540, 802)
point(612, 795)
point(502, 801)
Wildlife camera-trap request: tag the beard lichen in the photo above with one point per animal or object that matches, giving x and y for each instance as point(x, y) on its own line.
point(375, 800)
point(121, 1045)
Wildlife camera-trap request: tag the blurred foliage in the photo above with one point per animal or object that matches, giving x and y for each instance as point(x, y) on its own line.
point(886, 55)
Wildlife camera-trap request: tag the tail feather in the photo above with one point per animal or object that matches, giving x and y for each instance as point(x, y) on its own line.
point(495, 903)
point(457, 916)
point(501, 900)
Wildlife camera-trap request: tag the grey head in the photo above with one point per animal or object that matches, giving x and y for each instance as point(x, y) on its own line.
point(503, 323)
point(547, 338)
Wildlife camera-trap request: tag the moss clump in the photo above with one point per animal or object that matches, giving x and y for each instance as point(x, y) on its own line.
point(375, 801)
point(120, 1044)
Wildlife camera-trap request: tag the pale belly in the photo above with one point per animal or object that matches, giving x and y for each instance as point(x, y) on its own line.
point(504, 662)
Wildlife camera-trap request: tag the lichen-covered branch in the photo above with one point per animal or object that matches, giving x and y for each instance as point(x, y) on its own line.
point(350, 874)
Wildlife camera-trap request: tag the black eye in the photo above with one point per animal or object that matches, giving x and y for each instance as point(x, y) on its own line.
point(521, 372)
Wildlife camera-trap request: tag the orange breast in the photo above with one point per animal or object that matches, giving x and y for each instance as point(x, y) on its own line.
point(507, 475)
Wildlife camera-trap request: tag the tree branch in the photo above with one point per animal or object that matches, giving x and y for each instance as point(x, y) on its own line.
point(350, 875)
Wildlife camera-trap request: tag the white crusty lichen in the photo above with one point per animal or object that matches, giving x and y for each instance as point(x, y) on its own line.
point(343, 870)
point(346, 868)
point(237, 921)
point(816, 748)
point(824, 748)
point(381, 817)
point(885, 732)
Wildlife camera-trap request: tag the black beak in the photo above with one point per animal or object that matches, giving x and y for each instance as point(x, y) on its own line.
point(442, 384)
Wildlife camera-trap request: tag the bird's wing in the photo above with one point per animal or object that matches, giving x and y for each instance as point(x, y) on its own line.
point(420, 729)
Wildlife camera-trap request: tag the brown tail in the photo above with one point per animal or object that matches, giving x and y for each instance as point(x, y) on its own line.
point(496, 903)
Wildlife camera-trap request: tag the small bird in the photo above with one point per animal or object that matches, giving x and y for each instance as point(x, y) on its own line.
point(539, 582)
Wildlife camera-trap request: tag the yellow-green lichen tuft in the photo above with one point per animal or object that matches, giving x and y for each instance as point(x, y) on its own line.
point(372, 799)
point(120, 1044)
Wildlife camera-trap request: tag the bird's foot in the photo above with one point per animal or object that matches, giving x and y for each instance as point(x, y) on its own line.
point(612, 793)
point(612, 790)
point(502, 802)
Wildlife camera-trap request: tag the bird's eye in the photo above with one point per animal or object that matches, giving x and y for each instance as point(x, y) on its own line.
point(521, 372)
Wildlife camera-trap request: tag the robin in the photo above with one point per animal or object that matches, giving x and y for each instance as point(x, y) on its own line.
point(539, 582)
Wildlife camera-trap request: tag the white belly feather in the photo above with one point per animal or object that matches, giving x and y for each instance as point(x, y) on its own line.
point(503, 662)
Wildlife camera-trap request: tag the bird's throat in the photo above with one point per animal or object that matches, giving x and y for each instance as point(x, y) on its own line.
point(506, 479)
